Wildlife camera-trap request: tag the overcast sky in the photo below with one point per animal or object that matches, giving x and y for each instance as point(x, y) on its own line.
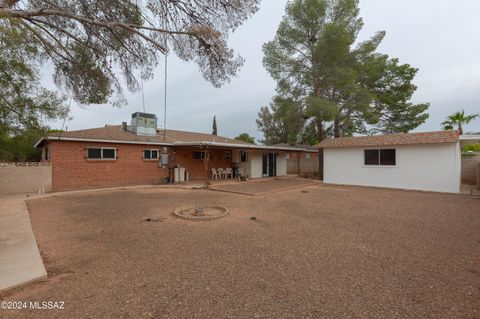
point(438, 37)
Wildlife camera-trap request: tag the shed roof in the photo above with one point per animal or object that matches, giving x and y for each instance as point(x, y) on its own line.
point(392, 139)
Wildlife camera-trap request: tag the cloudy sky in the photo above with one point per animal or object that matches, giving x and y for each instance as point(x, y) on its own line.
point(438, 37)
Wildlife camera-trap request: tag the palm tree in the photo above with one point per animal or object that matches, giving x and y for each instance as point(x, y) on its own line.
point(458, 119)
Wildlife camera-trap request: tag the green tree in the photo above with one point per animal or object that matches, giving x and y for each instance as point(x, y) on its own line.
point(350, 88)
point(90, 42)
point(244, 137)
point(214, 125)
point(282, 122)
point(458, 119)
point(24, 104)
point(310, 134)
point(19, 147)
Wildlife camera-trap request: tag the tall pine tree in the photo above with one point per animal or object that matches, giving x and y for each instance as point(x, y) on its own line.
point(351, 88)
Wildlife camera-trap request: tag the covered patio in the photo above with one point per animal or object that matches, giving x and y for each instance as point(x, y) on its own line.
point(214, 161)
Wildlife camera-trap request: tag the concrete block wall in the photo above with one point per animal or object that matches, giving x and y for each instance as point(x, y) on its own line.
point(469, 168)
point(304, 166)
point(25, 177)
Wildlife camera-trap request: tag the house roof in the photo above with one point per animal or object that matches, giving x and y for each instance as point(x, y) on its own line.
point(392, 139)
point(115, 134)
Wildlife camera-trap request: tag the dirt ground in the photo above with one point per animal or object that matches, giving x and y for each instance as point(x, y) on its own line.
point(263, 186)
point(317, 252)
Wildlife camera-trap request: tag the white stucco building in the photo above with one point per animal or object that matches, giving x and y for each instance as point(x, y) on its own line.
point(429, 161)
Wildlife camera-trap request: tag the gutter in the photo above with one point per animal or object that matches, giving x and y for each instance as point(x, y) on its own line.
point(244, 146)
point(202, 143)
point(74, 139)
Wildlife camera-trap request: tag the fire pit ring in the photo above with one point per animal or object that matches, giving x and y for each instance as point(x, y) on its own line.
point(201, 213)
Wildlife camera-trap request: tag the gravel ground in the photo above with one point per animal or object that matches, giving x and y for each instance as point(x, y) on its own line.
point(318, 252)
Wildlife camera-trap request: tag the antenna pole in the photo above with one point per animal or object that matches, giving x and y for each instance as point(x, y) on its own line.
point(165, 100)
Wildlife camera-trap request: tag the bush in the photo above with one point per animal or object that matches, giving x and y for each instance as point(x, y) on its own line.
point(475, 148)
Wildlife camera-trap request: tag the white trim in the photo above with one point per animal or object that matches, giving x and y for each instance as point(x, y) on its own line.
point(243, 146)
point(75, 139)
point(469, 137)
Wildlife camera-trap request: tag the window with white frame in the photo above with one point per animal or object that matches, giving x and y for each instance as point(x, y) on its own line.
point(308, 156)
point(102, 153)
point(380, 157)
point(151, 154)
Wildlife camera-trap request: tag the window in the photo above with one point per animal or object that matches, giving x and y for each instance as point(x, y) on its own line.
point(198, 155)
point(382, 157)
point(228, 155)
point(150, 154)
point(308, 156)
point(102, 153)
point(243, 156)
point(388, 157)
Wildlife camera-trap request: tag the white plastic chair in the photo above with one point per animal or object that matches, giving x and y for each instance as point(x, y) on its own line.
point(228, 172)
point(215, 173)
point(221, 172)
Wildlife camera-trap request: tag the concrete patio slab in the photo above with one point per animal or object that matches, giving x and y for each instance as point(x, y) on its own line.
point(20, 260)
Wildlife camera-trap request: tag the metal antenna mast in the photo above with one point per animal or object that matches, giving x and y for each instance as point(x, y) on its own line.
point(165, 98)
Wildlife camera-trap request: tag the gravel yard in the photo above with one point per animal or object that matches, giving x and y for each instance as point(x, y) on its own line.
point(320, 251)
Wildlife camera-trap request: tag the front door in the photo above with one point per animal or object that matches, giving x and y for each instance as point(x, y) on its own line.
point(269, 164)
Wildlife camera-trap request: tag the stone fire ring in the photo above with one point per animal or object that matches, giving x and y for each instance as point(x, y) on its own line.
point(207, 212)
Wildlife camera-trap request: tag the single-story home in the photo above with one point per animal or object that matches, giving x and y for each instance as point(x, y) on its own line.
point(429, 161)
point(139, 153)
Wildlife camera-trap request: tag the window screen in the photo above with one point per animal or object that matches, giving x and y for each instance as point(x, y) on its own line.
point(384, 157)
point(372, 157)
point(198, 155)
point(94, 153)
point(388, 157)
point(101, 153)
point(150, 154)
point(108, 153)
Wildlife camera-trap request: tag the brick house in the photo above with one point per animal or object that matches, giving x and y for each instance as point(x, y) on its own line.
point(117, 155)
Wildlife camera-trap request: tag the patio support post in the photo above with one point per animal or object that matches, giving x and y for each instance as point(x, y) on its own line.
point(205, 163)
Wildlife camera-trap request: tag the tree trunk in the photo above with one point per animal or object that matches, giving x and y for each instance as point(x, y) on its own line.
point(460, 129)
point(319, 129)
point(336, 127)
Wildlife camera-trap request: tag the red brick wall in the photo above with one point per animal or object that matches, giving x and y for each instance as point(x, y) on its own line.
point(184, 158)
point(71, 170)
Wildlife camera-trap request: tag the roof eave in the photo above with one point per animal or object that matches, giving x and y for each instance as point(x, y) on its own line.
point(242, 146)
point(92, 140)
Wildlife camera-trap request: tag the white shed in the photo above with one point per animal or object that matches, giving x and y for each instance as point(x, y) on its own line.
point(429, 161)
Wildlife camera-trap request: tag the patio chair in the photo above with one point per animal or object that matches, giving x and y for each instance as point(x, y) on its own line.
point(239, 172)
point(228, 172)
point(215, 174)
point(221, 172)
